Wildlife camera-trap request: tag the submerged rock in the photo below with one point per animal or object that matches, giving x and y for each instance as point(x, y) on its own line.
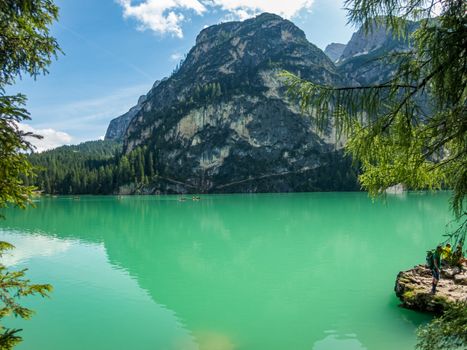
point(413, 288)
point(396, 189)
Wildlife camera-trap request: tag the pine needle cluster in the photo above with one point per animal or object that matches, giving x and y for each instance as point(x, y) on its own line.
point(411, 129)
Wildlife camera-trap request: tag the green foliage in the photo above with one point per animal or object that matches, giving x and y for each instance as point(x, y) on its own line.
point(25, 47)
point(393, 157)
point(13, 286)
point(26, 44)
point(446, 332)
point(207, 93)
point(13, 161)
point(94, 167)
point(411, 129)
point(99, 167)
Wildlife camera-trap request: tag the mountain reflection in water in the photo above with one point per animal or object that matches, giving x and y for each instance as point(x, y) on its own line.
point(283, 271)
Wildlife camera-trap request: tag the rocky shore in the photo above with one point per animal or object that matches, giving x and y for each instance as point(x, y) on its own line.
point(413, 288)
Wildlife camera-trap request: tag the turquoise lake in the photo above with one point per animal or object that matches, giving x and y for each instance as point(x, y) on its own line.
point(272, 271)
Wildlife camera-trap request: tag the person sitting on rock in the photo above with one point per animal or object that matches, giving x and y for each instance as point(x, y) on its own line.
point(446, 255)
point(458, 257)
point(436, 268)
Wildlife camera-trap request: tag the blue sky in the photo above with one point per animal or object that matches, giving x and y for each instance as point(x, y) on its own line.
point(114, 50)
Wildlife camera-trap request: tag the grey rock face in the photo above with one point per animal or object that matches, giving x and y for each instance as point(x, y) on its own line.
point(334, 51)
point(367, 58)
point(363, 43)
point(118, 126)
point(223, 122)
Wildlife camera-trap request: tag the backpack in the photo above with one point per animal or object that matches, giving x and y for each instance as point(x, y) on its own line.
point(430, 259)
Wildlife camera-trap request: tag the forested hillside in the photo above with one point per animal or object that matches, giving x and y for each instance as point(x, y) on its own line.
point(94, 167)
point(99, 167)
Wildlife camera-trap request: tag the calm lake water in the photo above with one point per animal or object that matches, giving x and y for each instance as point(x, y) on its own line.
point(280, 271)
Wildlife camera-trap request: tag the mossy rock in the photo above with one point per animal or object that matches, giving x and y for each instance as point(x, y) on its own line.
point(413, 287)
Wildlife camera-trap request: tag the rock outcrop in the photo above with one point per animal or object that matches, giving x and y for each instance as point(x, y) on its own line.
point(334, 51)
point(363, 42)
point(118, 126)
point(413, 287)
point(367, 58)
point(396, 189)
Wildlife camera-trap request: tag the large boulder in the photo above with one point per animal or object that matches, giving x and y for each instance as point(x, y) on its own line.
point(413, 287)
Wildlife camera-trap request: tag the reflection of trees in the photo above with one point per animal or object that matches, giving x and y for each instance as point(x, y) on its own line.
point(270, 271)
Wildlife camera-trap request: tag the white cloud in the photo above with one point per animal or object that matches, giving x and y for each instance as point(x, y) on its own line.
point(243, 9)
point(167, 16)
point(51, 138)
point(161, 16)
point(33, 246)
point(176, 56)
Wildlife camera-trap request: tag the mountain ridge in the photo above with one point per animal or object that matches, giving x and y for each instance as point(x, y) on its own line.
point(223, 122)
point(360, 46)
point(334, 51)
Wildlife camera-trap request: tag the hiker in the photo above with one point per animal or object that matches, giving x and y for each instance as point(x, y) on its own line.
point(446, 255)
point(436, 267)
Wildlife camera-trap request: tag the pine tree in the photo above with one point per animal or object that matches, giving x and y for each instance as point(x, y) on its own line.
point(26, 48)
point(12, 285)
point(389, 131)
point(150, 165)
point(140, 166)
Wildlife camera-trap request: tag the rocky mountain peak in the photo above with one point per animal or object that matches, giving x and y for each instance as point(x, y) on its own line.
point(376, 38)
point(246, 43)
point(334, 51)
point(367, 57)
point(363, 42)
point(118, 126)
point(232, 51)
point(220, 31)
point(223, 122)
